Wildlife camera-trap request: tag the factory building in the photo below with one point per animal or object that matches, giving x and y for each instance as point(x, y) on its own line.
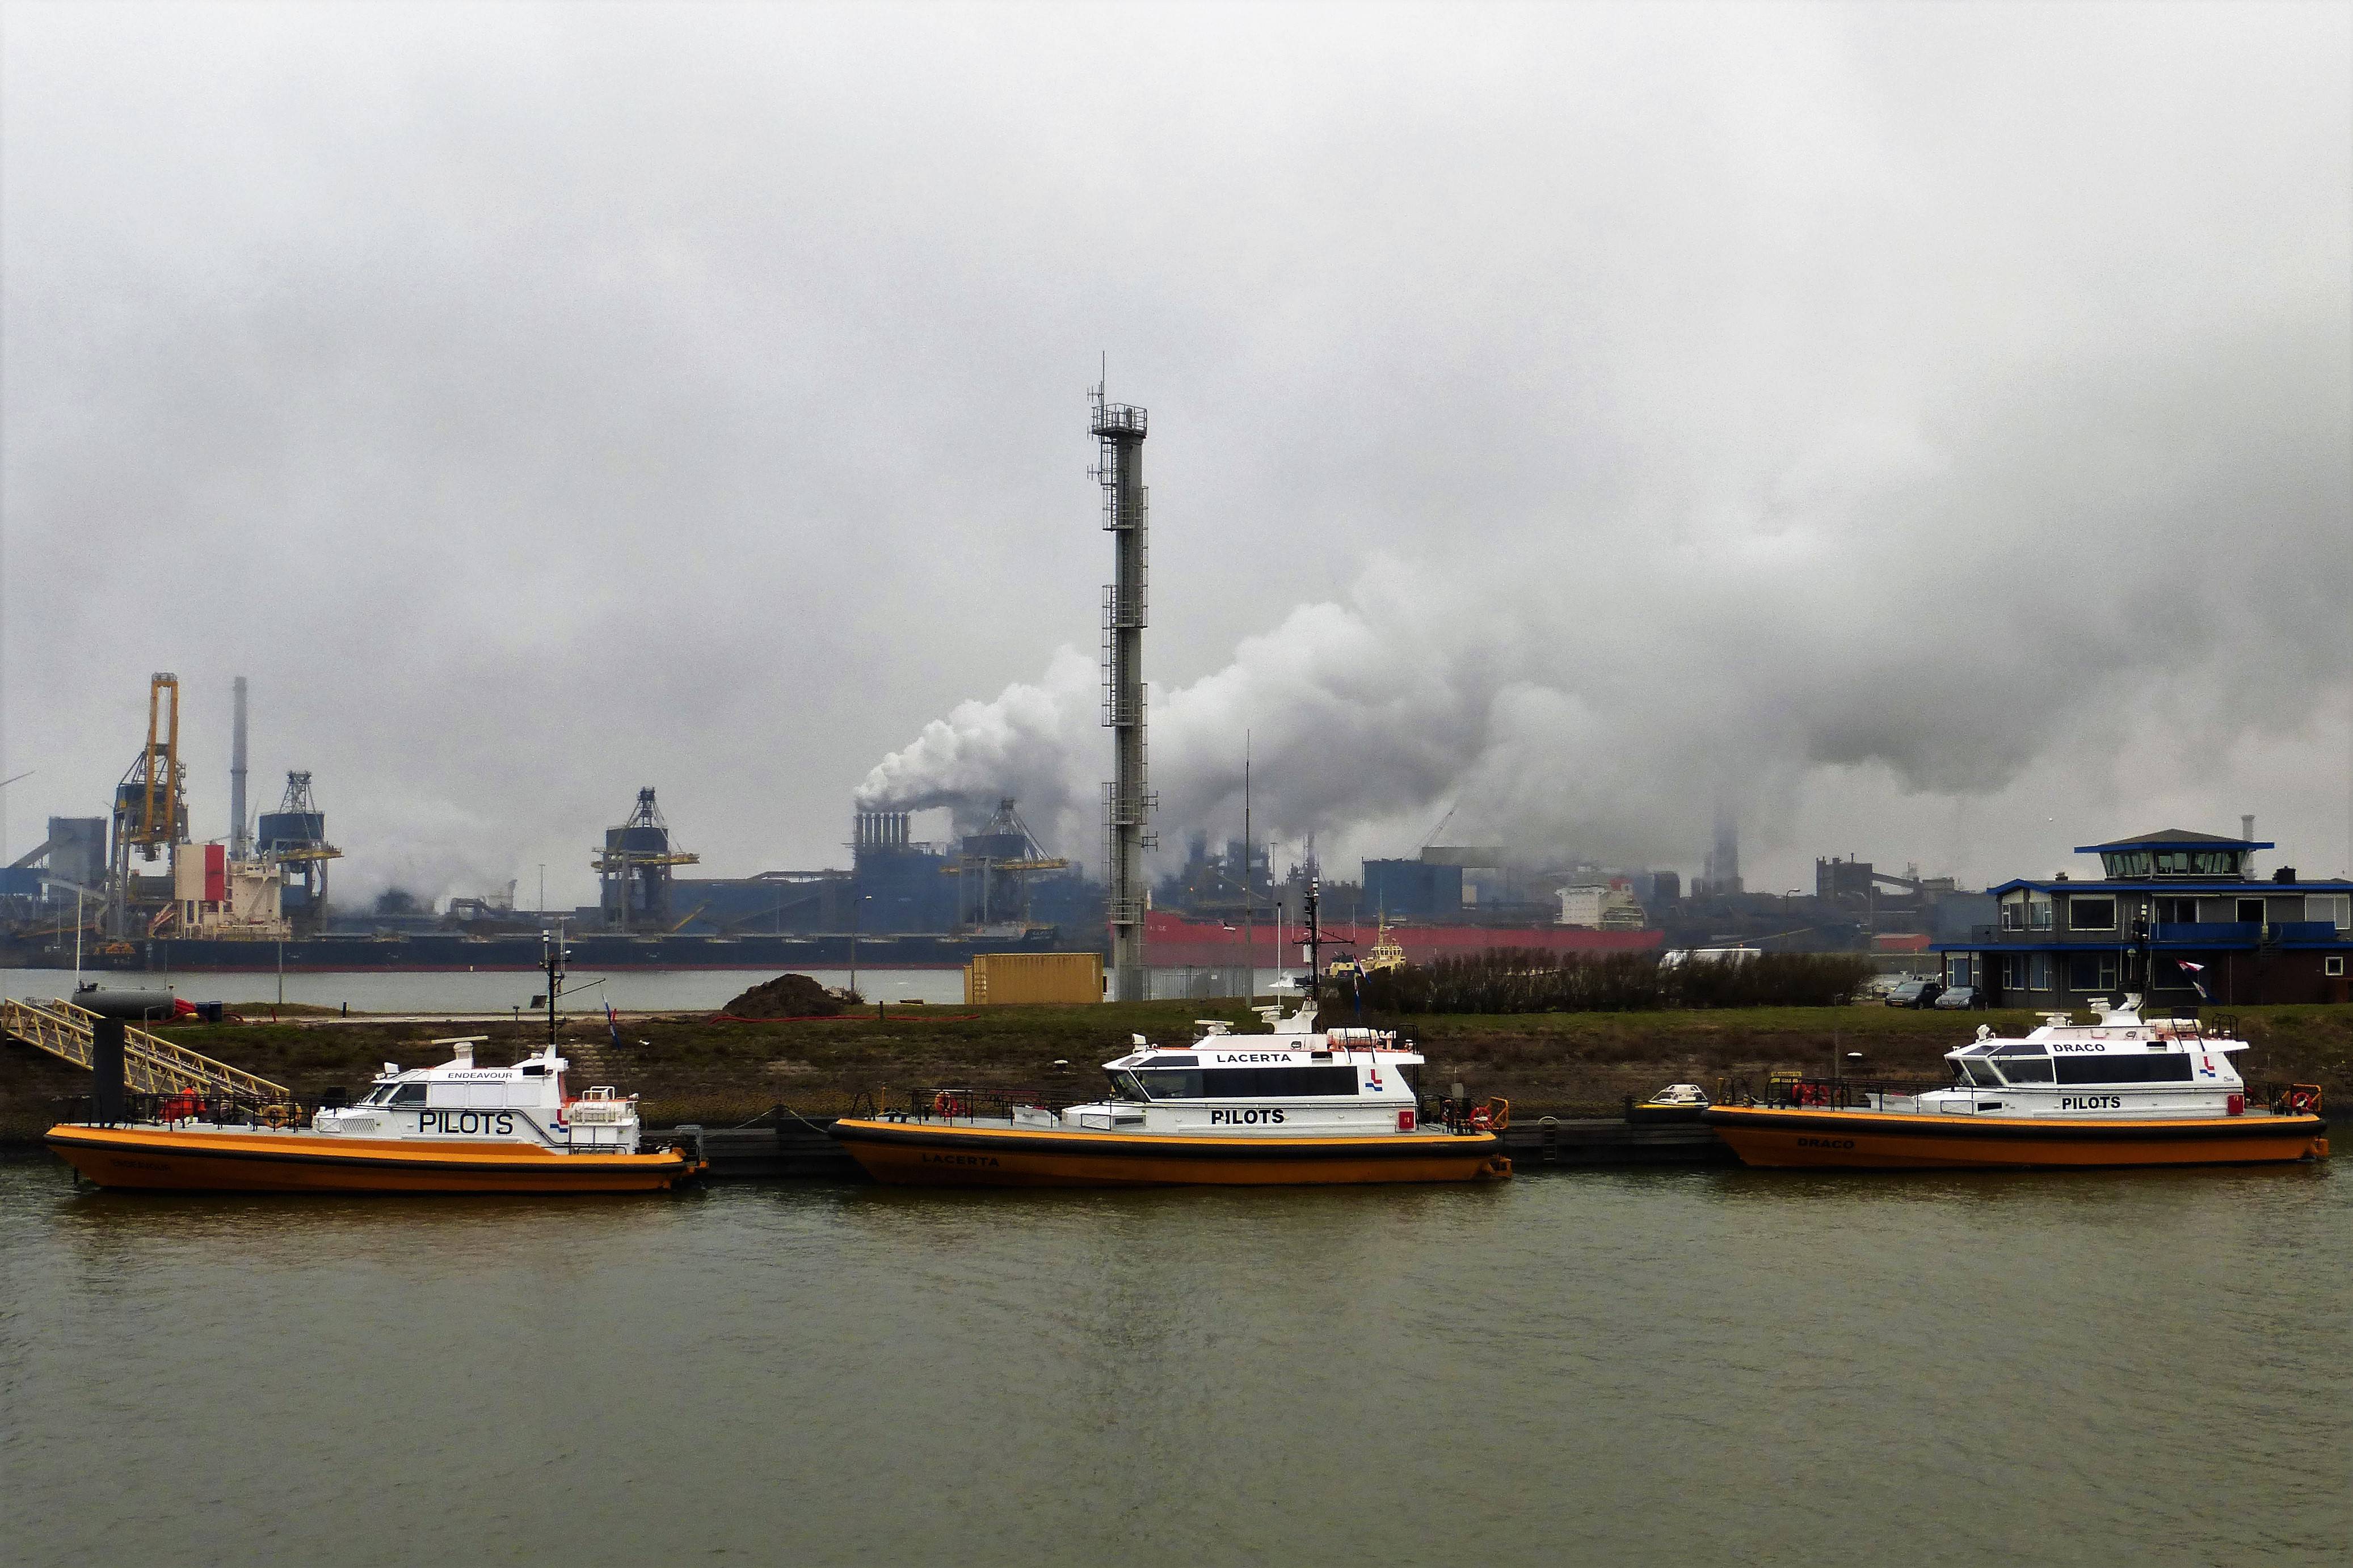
point(294, 840)
point(634, 870)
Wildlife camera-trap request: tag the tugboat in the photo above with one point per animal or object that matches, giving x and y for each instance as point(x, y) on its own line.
point(456, 1128)
point(1301, 1106)
point(2124, 1091)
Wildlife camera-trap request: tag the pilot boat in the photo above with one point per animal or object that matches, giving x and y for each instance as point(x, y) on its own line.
point(1300, 1106)
point(2124, 1091)
point(456, 1128)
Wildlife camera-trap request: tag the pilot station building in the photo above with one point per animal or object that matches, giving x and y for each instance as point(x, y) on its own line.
point(2182, 918)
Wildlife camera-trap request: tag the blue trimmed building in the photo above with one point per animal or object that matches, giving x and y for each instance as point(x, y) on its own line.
point(2171, 910)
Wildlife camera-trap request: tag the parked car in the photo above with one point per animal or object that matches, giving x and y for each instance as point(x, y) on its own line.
point(1959, 996)
point(1915, 994)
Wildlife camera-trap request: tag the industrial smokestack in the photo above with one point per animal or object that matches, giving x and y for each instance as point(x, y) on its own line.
point(2247, 827)
point(239, 846)
point(1127, 802)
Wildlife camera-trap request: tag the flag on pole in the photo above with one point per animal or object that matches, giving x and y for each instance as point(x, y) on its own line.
point(612, 1024)
point(2194, 970)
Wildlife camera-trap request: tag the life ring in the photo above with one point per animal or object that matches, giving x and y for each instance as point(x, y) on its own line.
point(278, 1116)
point(947, 1106)
point(2304, 1100)
point(1479, 1119)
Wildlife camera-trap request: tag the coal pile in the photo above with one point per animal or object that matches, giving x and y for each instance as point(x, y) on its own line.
point(786, 996)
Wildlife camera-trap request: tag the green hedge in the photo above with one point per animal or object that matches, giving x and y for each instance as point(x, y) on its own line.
point(1513, 980)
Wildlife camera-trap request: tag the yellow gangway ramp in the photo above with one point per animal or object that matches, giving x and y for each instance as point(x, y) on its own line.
point(991, 977)
point(150, 1064)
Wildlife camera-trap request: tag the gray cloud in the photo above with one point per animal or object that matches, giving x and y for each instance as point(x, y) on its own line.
point(1899, 417)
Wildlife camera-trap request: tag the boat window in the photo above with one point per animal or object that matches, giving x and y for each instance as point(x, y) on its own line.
point(1982, 1074)
point(1246, 1083)
point(2167, 1066)
point(1176, 1061)
point(1124, 1086)
point(378, 1095)
point(2016, 1048)
point(2026, 1070)
point(408, 1094)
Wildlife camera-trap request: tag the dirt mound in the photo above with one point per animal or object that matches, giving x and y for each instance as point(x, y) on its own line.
point(786, 996)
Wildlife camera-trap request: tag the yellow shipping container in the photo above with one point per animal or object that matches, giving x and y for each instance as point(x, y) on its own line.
point(1034, 977)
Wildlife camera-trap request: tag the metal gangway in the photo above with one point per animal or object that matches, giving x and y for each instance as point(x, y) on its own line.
point(150, 1064)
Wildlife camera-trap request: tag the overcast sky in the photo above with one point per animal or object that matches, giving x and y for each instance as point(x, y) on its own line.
point(1925, 427)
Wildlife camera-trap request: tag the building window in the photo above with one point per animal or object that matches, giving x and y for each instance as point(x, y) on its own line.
point(2250, 912)
point(2013, 915)
point(2333, 964)
point(2092, 971)
point(2038, 913)
point(2037, 972)
point(1957, 968)
point(2013, 971)
point(2331, 909)
point(2091, 914)
point(2177, 911)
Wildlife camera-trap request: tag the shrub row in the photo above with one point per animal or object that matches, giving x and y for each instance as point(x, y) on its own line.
point(1513, 980)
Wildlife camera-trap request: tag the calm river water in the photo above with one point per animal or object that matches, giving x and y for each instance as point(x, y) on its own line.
point(1656, 1368)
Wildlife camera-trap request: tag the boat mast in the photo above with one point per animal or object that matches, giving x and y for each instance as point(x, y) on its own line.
point(1315, 939)
point(552, 961)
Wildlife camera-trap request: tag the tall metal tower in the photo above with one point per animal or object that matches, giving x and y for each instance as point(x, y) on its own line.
point(1127, 800)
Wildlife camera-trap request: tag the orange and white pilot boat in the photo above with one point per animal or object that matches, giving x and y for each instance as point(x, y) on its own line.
point(1299, 1107)
point(2124, 1091)
point(456, 1128)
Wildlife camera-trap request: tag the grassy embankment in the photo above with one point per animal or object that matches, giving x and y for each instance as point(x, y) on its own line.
point(721, 1073)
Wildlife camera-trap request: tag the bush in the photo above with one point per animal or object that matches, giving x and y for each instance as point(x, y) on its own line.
point(1515, 980)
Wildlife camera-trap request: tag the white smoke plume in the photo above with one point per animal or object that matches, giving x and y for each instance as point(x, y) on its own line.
point(2154, 552)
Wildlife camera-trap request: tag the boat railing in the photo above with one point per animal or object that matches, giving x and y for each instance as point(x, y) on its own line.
point(957, 1104)
point(175, 1108)
point(1789, 1090)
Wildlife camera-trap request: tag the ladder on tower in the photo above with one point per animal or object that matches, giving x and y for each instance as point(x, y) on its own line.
point(150, 1064)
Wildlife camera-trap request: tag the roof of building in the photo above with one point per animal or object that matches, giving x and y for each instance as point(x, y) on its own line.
point(2178, 886)
point(2175, 835)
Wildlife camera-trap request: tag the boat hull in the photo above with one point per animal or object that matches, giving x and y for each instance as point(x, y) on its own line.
point(1885, 1140)
point(916, 1153)
point(177, 1160)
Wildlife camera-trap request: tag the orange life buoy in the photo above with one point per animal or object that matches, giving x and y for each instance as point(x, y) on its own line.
point(2304, 1100)
point(1478, 1117)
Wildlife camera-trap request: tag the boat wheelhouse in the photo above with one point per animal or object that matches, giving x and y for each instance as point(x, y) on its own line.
point(2124, 1089)
point(459, 1126)
point(1297, 1105)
